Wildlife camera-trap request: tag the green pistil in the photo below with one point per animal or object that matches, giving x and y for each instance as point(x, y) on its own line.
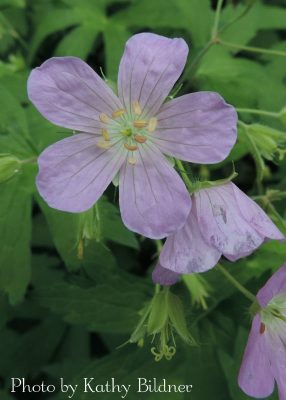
point(126, 132)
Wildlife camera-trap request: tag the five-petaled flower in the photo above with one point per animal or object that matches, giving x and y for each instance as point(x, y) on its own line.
point(264, 359)
point(128, 134)
point(223, 220)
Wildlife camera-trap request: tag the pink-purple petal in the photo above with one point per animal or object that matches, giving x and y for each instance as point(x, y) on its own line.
point(149, 68)
point(275, 285)
point(277, 351)
point(255, 216)
point(222, 224)
point(69, 93)
point(164, 276)
point(198, 127)
point(74, 172)
point(255, 376)
point(186, 251)
point(153, 199)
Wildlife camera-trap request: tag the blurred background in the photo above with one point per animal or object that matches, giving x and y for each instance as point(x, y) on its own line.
point(71, 292)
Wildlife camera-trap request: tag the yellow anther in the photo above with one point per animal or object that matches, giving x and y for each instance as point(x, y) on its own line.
point(136, 107)
point(140, 138)
point(152, 124)
point(118, 113)
point(140, 124)
point(103, 118)
point(130, 147)
point(103, 144)
point(105, 134)
point(133, 161)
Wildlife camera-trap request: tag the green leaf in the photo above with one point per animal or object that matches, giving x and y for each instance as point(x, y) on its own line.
point(13, 126)
point(65, 230)
point(112, 227)
point(190, 12)
point(240, 81)
point(19, 354)
point(260, 16)
point(86, 17)
point(115, 37)
point(110, 306)
point(149, 13)
point(15, 235)
point(77, 43)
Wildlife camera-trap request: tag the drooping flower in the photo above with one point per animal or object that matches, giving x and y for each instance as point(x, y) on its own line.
point(223, 221)
point(264, 360)
point(128, 134)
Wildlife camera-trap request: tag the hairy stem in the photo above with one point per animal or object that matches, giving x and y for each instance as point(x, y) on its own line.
point(184, 175)
point(236, 284)
point(252, 49)
point(272, 114)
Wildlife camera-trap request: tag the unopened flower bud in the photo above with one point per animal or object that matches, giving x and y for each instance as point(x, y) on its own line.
point(9, 166)
point(199, 289)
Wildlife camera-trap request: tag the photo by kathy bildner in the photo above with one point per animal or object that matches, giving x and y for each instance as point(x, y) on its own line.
point(142, 199)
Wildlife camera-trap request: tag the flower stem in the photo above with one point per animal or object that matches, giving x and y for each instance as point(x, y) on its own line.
point(217, 18)
point(238, 17)
point(235, 283)
point(276, 214)
point(30, 160)
point(272, 114)
point(157, 288)
point(252, 49)
point(256, 155)
point(159, 245)
point(184, 175)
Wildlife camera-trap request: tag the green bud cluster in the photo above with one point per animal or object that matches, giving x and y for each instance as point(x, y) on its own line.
point(268, 140)
point(199, 289)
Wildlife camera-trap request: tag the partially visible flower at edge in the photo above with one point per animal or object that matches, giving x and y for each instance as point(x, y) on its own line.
point(128, 134)
point(223, 221)
point(264, 360)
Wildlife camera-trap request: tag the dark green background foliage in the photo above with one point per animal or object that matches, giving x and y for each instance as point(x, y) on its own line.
point(61, 316)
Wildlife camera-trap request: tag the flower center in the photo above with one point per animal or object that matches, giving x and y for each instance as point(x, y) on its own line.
point(131, 129)
point(274, 313)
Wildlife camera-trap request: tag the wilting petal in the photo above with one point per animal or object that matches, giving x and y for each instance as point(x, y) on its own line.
point(222, 224)
point(277, 353)
point(186, 252)
point(198, 127)
point(164, 276)
point(153, 199)
point(255, 376)
point(69, 93)
point(74, 172)
point(149, 68)
point(255, 216)
point(274, 286)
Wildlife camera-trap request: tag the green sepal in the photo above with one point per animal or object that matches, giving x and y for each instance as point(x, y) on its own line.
point(158, 317)
point(210, 184)
point(178, 319)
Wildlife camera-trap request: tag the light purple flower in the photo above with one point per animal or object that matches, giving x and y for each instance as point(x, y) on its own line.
point(264, 360)
point(128, 134)
point(223, 220)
